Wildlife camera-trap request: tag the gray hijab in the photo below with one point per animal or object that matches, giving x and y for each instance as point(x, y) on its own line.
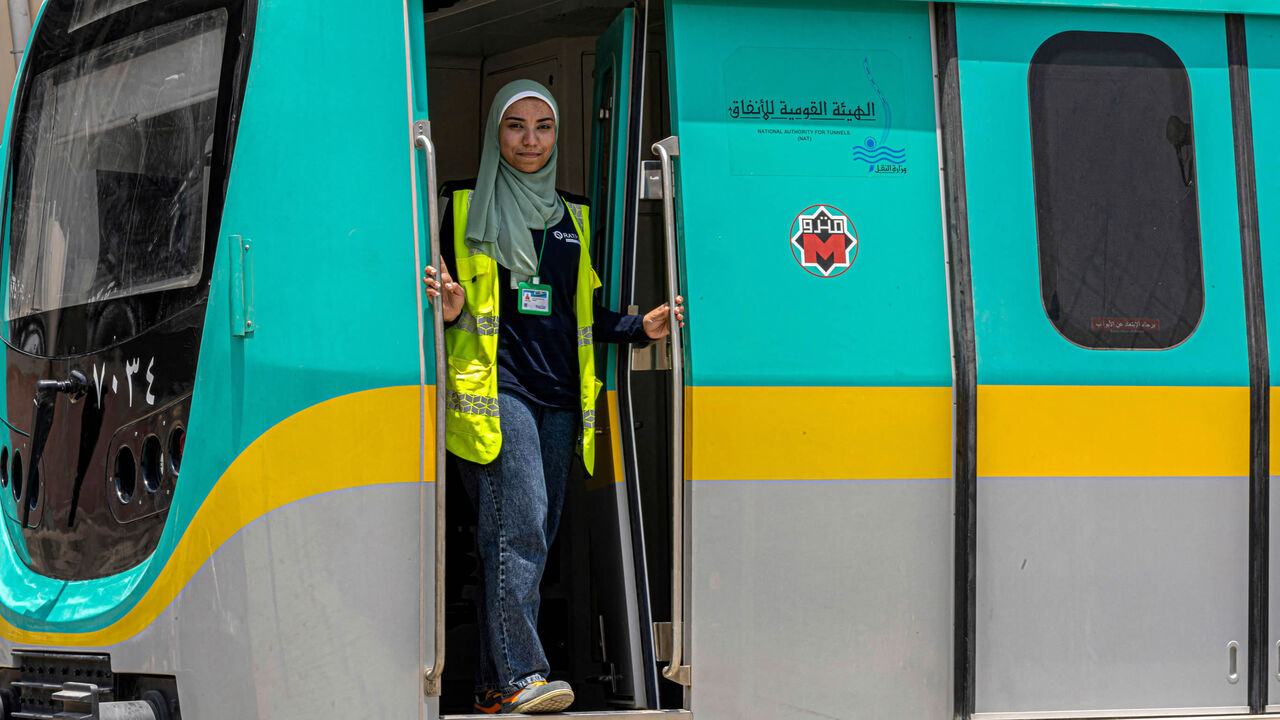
point(508, 203)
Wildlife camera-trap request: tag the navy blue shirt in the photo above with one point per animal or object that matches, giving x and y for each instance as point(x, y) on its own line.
point(538, 354)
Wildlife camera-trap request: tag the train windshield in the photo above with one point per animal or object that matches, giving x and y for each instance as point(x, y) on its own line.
point(112, 183)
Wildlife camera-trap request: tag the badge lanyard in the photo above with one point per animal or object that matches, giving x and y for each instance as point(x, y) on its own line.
point(535, 298)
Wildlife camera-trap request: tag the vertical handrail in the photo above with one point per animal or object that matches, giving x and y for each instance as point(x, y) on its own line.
point(677, 671)
point(431, 675)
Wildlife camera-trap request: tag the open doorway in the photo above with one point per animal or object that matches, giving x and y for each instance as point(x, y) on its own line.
point(607, 578)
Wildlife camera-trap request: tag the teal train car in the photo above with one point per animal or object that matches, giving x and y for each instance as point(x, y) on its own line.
point(971, 418)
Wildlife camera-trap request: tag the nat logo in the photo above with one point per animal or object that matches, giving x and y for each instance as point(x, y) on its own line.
point(823, 241)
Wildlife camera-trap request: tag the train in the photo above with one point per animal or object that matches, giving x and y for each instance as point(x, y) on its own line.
point(970, 419)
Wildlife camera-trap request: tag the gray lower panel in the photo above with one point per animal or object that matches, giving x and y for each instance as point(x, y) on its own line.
point(1110, 594)
point(821, 599)
point(310, 612)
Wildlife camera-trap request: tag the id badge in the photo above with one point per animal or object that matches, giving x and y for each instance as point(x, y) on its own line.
point(535, 299)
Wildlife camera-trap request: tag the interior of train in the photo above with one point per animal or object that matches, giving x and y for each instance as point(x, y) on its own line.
point(608, 576)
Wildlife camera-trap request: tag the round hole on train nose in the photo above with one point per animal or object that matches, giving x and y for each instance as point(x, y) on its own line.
point(177, 439)
point(4, 467)
point(151, 463)
point(126, 475)
point(33, 488)
point(15, 475)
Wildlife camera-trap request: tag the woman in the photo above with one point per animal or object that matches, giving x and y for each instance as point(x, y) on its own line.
point(522, 388)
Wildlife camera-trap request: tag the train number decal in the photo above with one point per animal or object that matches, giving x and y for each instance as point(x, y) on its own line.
point(131, 369)
point(824, 241)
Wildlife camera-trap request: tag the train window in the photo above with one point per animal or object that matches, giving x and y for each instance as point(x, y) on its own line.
point(1117, 215)
point(112, 182)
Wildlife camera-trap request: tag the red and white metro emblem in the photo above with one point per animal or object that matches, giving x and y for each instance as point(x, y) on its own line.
point(823, 241)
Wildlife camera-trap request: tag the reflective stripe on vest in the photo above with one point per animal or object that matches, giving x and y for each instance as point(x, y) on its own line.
point(472, 423)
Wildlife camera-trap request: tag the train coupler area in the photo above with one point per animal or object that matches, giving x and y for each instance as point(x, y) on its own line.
point(79, 686)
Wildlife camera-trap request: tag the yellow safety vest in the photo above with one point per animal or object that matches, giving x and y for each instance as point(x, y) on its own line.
point(472, 429)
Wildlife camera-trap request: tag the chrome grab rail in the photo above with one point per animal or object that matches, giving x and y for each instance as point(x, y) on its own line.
point(431, 675)
point(675, 671)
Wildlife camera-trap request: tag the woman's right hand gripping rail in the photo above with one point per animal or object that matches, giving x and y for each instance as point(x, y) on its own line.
point(452, 292)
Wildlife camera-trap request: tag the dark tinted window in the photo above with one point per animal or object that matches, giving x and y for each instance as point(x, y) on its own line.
point(1117, 217)
point(112, 183)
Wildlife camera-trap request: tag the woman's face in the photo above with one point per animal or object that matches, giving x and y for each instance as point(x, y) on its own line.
point(527, 134)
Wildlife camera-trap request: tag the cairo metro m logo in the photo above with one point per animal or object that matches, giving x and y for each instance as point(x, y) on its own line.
point(823, 241)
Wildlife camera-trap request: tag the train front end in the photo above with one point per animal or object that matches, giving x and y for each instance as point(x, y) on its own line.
point(211, 452)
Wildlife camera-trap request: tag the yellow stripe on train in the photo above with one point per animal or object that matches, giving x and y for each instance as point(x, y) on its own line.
point(817, 433)
point(1086, 431)
point(851, 433)
point(306, 454)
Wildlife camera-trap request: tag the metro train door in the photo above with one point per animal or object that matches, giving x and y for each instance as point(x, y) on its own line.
point(1112, 535)
point(623, 633)
point(817, 421)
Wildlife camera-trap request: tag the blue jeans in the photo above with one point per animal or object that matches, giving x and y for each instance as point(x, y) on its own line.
point(518, 498)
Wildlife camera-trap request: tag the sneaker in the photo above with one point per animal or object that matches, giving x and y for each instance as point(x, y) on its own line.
point(490, 702)
point(537, 697)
